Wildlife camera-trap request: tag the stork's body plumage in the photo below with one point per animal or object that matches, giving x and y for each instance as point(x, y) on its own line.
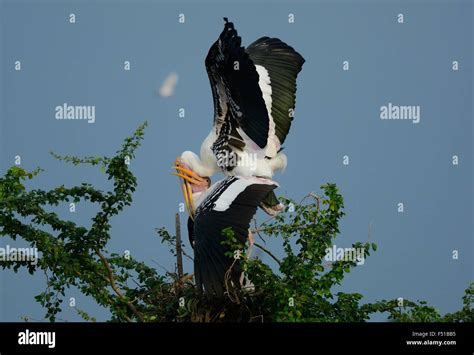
point(251, 161)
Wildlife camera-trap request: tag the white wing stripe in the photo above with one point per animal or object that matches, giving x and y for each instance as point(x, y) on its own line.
point(264, 82)
point(235, 189)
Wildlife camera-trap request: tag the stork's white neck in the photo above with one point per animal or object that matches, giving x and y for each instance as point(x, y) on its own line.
point(207, 155)
point(204, 165)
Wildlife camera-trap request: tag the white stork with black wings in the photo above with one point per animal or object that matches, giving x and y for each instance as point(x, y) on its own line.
point(254, 92)
point(231, 202)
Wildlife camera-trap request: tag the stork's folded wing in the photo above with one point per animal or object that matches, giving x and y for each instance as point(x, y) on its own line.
point(231, 203)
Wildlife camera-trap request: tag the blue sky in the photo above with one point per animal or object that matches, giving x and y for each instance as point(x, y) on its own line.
point(337, 114)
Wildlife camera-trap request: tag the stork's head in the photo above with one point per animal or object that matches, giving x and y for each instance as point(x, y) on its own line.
point(192, 184)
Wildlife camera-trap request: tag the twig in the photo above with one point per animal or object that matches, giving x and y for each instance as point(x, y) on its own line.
point(179, 253)
point(234, 298)
point(173, 244)
point(268, 252)
point(161, 266)
point(256, 231)
point(269, 229)
point(116, 289)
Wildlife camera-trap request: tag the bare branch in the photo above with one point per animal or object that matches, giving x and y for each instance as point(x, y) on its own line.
point(111, 280)
point(268, 252)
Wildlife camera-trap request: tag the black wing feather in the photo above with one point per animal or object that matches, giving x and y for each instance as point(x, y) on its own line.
point(236, 93)
point(283, 64)
point(210, 261)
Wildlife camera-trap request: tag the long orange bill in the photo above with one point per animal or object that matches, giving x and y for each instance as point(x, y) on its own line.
point(191, 179)
point(187, 177)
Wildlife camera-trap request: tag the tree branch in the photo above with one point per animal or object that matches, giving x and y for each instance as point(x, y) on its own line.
point(116, 289)
point(268, 252)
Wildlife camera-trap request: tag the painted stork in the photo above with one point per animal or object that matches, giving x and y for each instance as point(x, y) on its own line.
point(231, 202)
point(254, 92)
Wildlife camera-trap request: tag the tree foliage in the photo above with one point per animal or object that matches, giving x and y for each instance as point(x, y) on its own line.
point(299, 287)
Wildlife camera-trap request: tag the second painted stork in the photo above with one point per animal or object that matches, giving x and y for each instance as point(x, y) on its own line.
point(254, 91)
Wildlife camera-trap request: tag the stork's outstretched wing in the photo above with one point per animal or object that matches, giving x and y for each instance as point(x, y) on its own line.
point(238, 100)
point(281, 63)
point(253, 91)
point(232, 203)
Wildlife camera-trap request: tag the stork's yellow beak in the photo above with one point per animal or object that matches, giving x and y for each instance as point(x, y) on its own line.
point(188, 178)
